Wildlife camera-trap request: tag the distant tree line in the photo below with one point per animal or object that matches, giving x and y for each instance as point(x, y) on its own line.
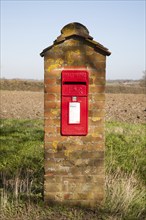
point(143, 79)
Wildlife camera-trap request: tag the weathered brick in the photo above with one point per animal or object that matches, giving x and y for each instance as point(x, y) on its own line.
point(93, 138)
point(50, 130)
point(99, 81)
point(49, 97)
point(51, 187)
point(59, 196)
point(56, 154)
point(51, 81)
point(97, 105)
point(90, 81)
point(58, 81)
point(68, 196)
point(49, 138)
point(95, 74)
point(49, 162)
point(54, 73)
point(100, 57)
point(57, 169)
point(48, 196)
point(58, 97)
point(51, 144)
point(96, 121)
point(51, 104)
point(94, 146)
point(76, 170)
point(94, 170)
point(78, 154)
point(52, 113)
point(58, 129)
point(54, 179)
point(99, 97)
point(51, 122)
point(97, 89)
point(96, 113)
point(52, 89)
point(98, 129)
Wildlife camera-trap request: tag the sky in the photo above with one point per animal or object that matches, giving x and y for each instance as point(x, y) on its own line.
point(27, 27)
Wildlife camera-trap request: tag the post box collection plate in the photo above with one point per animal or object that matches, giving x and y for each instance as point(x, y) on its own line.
point(74, 102)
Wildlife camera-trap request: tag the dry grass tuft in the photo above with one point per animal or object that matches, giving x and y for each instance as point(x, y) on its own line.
point(125, 197)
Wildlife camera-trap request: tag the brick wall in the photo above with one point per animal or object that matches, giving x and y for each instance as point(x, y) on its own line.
point(74, 165)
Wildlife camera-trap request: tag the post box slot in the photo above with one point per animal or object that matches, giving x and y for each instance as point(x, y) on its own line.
point(74, 83)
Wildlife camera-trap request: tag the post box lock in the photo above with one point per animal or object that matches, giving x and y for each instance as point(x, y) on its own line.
point(74, 102)
point(74, 98)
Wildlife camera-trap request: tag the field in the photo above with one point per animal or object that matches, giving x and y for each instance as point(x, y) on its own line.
point(29, 104)
point(21, 156)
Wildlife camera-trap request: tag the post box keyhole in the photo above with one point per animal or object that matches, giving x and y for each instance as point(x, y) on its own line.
point(74, 99)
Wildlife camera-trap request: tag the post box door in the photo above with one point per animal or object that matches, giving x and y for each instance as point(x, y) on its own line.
point(74, 102)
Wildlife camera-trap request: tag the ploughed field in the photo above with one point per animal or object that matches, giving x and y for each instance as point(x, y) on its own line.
point(29, 104)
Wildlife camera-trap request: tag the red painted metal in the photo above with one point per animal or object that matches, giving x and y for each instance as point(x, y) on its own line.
point(74, 90)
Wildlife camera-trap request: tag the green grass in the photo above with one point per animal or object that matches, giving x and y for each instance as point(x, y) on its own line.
point(126, 148)
point(21, 174)
point(21, 156)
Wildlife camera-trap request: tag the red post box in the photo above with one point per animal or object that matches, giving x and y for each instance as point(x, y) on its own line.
point(74, 107)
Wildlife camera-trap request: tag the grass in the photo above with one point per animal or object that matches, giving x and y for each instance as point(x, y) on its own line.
point(126, 148)
point(21, 156)
point(21, 174)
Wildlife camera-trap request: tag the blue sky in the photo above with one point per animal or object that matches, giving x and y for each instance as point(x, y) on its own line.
point(27, 27)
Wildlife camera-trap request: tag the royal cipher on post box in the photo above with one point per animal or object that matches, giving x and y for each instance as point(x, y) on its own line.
point(74, 114)
point(74, 102)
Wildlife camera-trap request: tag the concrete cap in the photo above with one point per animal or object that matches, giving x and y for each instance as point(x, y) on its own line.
point(76, 29)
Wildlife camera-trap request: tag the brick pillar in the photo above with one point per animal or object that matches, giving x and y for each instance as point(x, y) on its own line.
point(74, 165)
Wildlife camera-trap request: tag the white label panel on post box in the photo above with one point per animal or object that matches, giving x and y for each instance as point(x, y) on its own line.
point(74, 113)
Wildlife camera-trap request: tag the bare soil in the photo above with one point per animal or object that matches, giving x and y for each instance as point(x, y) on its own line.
point(30, 105)
point(126, 107)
